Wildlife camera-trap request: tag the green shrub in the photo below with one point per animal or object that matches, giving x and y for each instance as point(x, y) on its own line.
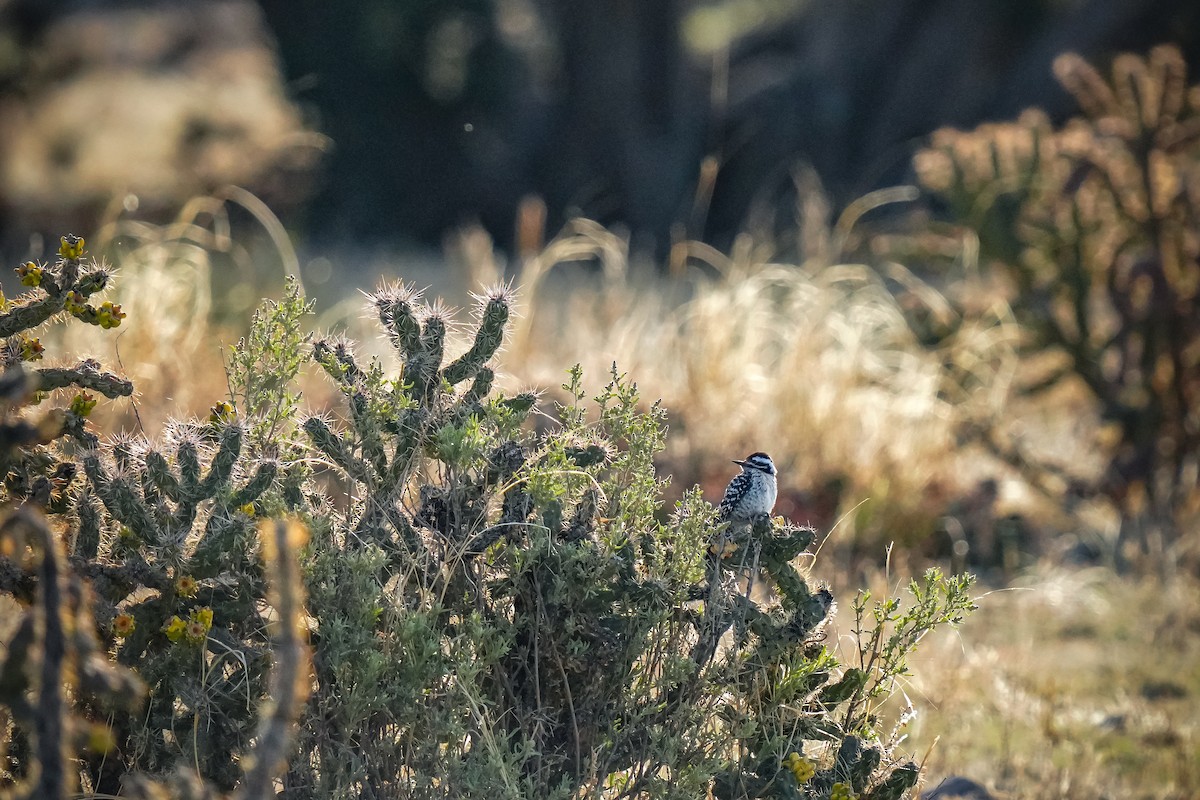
point(504, 612)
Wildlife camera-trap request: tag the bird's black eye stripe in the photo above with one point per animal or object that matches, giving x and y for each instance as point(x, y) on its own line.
point(761, 462)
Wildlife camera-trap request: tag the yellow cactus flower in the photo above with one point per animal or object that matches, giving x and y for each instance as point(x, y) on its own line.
point(175, 628)
point(247, 509)
point(73, 304)
point(30, 274)
point(109, 315)
point(198, 625)
point(186, 586)
point(71, 247)
point(221, 412)
point(83, 404)
point(800, 766)
point(204, 616)
point(123, 625)
point(842, 791)
point(196, 632)
point(32, 349)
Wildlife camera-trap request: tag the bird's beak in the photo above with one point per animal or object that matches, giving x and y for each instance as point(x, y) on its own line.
point(739, 463)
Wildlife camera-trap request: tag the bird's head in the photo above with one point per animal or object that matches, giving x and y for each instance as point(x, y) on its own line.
point(757, 461)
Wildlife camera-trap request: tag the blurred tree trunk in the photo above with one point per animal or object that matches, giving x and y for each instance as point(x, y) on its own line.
point(850, 86)
point(629, 130)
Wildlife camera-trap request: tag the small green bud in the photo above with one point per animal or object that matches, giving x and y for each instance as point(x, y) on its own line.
point(32, 349)
point(82, 404)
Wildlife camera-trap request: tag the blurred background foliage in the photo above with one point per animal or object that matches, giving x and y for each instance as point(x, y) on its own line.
point(399, 120)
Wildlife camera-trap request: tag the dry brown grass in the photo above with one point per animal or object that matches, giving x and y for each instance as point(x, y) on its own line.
point(813, 363)
point(1070, 684)
point(188, 288)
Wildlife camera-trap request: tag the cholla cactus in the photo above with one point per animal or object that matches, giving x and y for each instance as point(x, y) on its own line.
point(64, 286)
point(181, 525)
point(392, 421)
point(158, 501)
point(32, 470)
point(164, 538)
point(55, 661)
point(1095, 225)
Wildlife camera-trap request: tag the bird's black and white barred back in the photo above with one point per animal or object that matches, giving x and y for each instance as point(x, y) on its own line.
point(751, 493)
